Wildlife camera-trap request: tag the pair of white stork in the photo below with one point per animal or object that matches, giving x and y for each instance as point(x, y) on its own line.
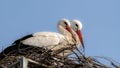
point(70, 35)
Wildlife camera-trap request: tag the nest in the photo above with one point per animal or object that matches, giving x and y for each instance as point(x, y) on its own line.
point(46, 58)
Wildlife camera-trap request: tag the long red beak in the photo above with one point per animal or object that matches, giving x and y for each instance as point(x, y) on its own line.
point(70, 30)
point(80, 37)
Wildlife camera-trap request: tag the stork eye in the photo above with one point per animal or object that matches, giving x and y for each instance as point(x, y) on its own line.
point(66, 23)
point(76, 25)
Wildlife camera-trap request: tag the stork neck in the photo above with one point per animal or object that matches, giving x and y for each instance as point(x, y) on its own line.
point(63, 31)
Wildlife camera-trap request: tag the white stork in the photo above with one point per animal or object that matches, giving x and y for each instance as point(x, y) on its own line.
point(50, 40)
point(77, 27)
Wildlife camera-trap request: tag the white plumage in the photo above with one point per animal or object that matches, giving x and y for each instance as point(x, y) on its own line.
point(57, 41)
point(51, 40)
point(45, 39)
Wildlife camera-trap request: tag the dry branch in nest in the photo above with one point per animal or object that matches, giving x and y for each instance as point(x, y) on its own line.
point(50, 59)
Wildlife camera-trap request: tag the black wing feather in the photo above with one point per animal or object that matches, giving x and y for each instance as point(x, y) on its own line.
point(15, 46)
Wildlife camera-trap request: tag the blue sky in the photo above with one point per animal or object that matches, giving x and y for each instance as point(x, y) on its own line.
point(100, 19)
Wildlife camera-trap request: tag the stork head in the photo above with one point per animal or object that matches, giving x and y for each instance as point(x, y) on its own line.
point(64, 23)
point(77, 26)
point(65, 27)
